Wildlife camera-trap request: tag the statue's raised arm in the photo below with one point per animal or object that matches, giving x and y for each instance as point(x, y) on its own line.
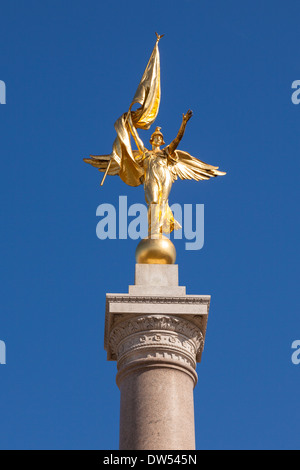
point(173, 145)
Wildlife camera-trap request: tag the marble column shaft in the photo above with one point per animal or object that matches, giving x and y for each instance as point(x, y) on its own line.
point(156, 334)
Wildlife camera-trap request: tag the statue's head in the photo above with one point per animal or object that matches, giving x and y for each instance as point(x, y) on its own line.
point(157, 138)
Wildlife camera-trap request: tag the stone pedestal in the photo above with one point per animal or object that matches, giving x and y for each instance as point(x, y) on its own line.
point(156, 334)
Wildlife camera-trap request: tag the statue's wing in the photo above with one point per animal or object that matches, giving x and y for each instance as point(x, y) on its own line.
point(102, 161)
point(187, 167)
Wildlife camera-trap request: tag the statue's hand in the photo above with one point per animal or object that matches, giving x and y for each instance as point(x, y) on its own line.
point(187, 116)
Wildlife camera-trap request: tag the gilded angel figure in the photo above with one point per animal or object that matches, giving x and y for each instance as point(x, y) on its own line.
point(157, 168)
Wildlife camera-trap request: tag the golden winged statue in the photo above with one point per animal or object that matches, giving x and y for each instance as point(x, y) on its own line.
point(157, 168)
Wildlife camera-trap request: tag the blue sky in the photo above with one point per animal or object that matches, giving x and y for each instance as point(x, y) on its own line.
point(71, 69)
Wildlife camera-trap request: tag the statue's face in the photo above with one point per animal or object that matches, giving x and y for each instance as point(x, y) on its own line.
point(157, 141)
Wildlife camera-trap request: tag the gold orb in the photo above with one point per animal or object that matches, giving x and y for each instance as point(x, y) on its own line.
point(155, 251)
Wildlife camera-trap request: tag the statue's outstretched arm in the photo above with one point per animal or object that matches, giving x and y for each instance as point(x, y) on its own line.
point(173, 145)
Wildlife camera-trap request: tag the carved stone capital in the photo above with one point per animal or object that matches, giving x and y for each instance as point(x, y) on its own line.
point(156, 339)
point(155, 330)
point(158, 329)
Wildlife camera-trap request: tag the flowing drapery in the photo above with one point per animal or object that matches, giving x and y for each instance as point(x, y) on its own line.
point(148, 96)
